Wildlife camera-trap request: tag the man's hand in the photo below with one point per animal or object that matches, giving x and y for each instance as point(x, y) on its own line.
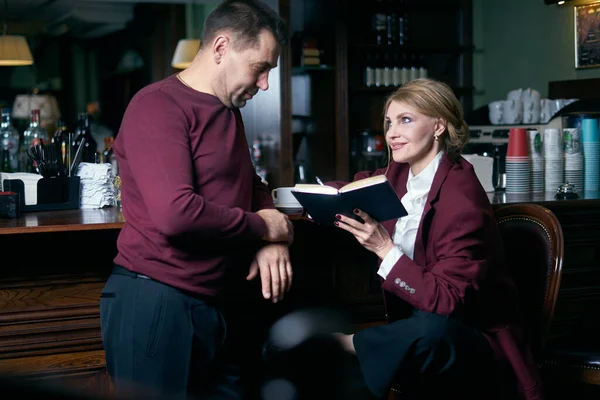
point(273, 261)
point(279, 226)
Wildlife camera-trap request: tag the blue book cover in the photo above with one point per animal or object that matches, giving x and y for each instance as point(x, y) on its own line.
point(374, 195)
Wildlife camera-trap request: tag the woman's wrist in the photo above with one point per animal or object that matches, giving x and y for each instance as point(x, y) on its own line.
point(385, 250)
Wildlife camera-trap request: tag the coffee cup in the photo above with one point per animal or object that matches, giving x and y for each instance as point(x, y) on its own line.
point(283, 197)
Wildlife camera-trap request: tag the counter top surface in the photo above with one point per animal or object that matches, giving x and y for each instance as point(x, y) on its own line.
point(63, 221)
point(112, 217)
point(543, 198)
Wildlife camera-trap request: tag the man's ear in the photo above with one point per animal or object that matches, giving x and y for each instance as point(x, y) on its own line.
point(219, 47)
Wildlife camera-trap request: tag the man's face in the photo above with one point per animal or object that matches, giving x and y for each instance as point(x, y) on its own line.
point(247, 71)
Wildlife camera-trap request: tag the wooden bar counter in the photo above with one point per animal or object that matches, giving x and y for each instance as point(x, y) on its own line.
point(54, 265)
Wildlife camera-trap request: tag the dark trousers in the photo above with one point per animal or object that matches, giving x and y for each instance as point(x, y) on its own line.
point(161, 342)
point(425, 356)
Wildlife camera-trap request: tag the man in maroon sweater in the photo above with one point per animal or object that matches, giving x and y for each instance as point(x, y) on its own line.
point(195, 211)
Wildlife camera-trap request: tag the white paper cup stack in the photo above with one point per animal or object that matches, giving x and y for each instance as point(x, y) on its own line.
point(554, 161)
point(573, 158)
point(590, 140)
point(537, 160)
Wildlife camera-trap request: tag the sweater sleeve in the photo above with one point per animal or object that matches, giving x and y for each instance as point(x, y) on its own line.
point(261, 198)
point(157, 153)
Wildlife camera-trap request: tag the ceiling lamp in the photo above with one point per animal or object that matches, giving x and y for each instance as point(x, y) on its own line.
point(14, 50)
point(185, 52)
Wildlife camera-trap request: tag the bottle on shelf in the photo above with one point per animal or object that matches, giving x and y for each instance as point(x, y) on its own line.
point(402, 27)
point(369, 73)
point(405, 70)
point(83, 130)
point(61, 140)
point(387, 70)
point(414, 69)
point(378, 23)
point(9, 140)
point(391, 25)
point(396, 69)
point(108, 156)
point(422, 67)
point(34, 134)
point(5, 165)
point(379, 70)
point(258, 159)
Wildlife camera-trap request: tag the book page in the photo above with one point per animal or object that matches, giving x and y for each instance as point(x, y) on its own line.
point(313, 188)
point(370, 181)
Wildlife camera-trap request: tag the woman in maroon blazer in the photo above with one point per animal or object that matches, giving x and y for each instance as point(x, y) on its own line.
point(454, 324)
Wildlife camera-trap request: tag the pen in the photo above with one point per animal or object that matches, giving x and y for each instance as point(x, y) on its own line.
point(319, 181)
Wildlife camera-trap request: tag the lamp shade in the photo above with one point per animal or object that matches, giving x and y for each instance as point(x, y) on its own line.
point(46, 103)
point(185, 52)
point(14, 51)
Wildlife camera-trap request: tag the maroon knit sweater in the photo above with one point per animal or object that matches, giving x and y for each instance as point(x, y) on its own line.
point(189, 189)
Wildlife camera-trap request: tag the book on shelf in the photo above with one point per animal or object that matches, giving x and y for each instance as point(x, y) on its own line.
point(373, 195)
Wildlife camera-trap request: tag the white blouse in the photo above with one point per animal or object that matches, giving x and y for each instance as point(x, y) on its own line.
point(405, 231)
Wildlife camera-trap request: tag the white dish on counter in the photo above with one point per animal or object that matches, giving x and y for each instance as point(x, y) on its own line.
point(289, 208)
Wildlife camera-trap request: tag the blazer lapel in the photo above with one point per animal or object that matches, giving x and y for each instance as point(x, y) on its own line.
point(438, 179)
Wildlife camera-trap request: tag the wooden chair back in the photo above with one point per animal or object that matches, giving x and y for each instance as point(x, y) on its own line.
point(534, 247)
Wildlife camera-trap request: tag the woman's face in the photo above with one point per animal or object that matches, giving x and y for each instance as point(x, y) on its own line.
point(411, 136)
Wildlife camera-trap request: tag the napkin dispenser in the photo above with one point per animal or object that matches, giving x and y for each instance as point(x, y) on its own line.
point(56, 193)
point(9, 205)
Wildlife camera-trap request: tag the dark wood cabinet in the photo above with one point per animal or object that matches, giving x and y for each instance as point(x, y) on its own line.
point(314, 137)
point(420, 39)
point(328, 105)
point(50, 289)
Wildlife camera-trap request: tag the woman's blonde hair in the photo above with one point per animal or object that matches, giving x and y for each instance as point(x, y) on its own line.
point(435, 99)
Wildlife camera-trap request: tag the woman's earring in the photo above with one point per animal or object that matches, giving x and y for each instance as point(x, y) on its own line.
point(437, 138)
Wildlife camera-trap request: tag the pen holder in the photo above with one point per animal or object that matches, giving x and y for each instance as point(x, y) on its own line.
point(58, 193)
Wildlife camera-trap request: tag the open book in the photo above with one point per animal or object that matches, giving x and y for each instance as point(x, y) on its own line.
point(373, 195)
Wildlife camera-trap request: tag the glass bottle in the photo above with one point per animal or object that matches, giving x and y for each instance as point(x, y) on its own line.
point(369, 78)
point(5, 165)
point(88, 152)
point(34, 134)
point(391, 24)
point(402, 27)
point(387, 70)
point(379, 70)
point(108, 156)
point(61, 140)
point(258, 158)
point(422, 67)
point(378, 23)
point(414, 68)
point(9, 140)
point(396, 69)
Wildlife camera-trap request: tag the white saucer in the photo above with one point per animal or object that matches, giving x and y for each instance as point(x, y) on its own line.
point(288, 205)
point(289, 208)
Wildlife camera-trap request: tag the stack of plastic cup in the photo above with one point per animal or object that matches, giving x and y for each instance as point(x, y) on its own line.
point(554, 159)
point(590, 140)
point(537, 160)
point(573, 158)
point(518, 166)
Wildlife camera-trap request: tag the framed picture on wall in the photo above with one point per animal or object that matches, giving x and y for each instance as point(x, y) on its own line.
point(587, 35)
